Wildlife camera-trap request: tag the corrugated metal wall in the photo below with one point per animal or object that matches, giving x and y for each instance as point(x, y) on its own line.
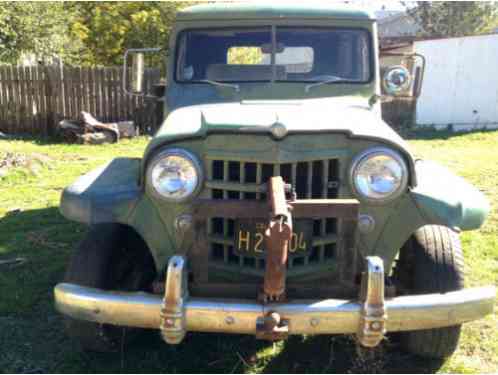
point(461, 82)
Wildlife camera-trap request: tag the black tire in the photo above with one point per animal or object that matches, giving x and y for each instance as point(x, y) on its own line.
point(431, 262)
point(110, 257)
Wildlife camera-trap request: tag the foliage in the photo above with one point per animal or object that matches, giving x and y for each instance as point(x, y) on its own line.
point(245, 55)
point(36, 29)
point(107, 29)
point(83, 33)
point(454, 18)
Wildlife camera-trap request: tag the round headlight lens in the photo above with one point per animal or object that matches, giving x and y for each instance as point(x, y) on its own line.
point(379, 174)
point(175, 174)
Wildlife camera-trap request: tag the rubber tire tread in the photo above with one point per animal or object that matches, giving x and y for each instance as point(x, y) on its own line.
point(91, 265)
point(438, 267)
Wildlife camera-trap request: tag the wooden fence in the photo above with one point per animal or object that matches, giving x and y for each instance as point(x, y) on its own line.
point(399, 113)
point(34, 99)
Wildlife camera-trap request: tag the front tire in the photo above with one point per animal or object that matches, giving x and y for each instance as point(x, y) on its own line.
point(110, 257)
point(431, 262)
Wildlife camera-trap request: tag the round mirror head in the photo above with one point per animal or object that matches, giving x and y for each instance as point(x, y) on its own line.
point(396, 80)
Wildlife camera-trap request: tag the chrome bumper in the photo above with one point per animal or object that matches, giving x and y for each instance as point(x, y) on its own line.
point(369, 318)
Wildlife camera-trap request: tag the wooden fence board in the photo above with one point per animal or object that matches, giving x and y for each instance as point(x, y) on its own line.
point(8, 119)
point(2, 95)
point(34, 99)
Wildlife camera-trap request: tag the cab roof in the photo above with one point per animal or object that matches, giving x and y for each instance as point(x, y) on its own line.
point(255, 10)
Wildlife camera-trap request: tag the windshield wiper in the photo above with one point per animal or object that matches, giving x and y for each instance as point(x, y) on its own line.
point(222, 84)
point(324, 82)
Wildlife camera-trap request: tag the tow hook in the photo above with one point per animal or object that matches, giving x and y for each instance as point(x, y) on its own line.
point(277, 237)
point(272, 327)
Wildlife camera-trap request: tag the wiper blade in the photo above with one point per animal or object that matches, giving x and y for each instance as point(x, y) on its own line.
point(324, 82)
point(222, 84)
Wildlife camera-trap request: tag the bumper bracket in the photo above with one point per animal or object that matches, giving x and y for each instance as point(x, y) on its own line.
point(373, 314)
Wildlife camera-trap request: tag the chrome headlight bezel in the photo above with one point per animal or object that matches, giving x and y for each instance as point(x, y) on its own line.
point(178, 152)
point(372, 152)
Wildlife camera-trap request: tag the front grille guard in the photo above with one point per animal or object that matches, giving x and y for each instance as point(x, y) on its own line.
point(242, 180)
point(346, 262)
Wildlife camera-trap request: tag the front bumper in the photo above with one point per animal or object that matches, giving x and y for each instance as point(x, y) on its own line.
point(369, 317)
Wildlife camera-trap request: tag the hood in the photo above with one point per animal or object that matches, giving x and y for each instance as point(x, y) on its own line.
point(350, 115)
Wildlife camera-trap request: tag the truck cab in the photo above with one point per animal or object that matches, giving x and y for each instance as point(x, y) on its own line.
point(274, 200)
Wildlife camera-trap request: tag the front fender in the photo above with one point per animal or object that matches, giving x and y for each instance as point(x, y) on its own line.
point(111, 194)
point(440, 198)
point(446, 199)
point(105, 195)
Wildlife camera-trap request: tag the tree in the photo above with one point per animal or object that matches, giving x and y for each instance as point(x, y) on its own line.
point(454, 18)
point(38, 29)
point(107, 29)
point(83, 33)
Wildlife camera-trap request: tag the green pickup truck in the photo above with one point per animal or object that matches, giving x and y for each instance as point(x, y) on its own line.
point(273, 200)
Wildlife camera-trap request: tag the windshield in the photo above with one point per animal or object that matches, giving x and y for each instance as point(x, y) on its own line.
point(298, 54)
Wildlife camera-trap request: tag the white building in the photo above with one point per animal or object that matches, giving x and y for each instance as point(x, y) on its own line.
point(460, 86)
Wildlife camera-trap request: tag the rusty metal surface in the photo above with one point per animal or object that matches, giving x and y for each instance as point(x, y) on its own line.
point(293, 290)
point(277, 237)
point(272, 327)
point(373, 319)
point(172, 323)
point(334, 261)
point(305, 208)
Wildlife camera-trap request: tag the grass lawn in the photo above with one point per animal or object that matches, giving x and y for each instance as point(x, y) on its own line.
point(31, 332)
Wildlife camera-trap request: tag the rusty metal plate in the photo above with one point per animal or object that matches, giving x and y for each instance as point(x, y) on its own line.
point(306, 208)
point(249, 237)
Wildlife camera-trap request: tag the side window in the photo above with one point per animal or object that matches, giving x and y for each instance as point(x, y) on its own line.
point(245, 56)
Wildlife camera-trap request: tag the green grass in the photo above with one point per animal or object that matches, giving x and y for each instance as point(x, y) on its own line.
point(31, 333)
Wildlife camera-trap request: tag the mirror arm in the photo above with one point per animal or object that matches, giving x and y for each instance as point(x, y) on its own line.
point(379, 98)
point(125, 67)
point(420, 77)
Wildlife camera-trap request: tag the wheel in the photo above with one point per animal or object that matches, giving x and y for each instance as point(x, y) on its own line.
point(110, 257)
point(431, 262)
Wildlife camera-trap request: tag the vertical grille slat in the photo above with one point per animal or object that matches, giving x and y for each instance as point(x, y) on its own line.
point(242, 174)
point(210, 176)
point(323, 232)
point(276, 170)
point(294, 174)
point(310, 180)
point(225, 235)
point(325, 190)
point(259, 177)
point(225, 178)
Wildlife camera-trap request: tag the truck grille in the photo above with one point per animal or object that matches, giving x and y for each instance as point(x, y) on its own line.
point(229, 179)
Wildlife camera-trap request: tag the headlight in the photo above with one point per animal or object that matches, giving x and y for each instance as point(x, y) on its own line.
point(379, 174)
point(174, 175)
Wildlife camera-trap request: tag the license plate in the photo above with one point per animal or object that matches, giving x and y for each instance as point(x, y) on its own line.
point(250, 240)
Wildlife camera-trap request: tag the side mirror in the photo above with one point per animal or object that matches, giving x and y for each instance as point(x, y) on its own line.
point(134, 75)
point(396, 80)
point(403, 75)
point(137, 73)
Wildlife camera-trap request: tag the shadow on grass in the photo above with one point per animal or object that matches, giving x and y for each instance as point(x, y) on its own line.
point(339, 354)
point(44, 240)
point(42, 140)
point(210, 353)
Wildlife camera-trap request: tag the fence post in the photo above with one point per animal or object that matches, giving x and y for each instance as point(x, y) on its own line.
point(49, 79)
